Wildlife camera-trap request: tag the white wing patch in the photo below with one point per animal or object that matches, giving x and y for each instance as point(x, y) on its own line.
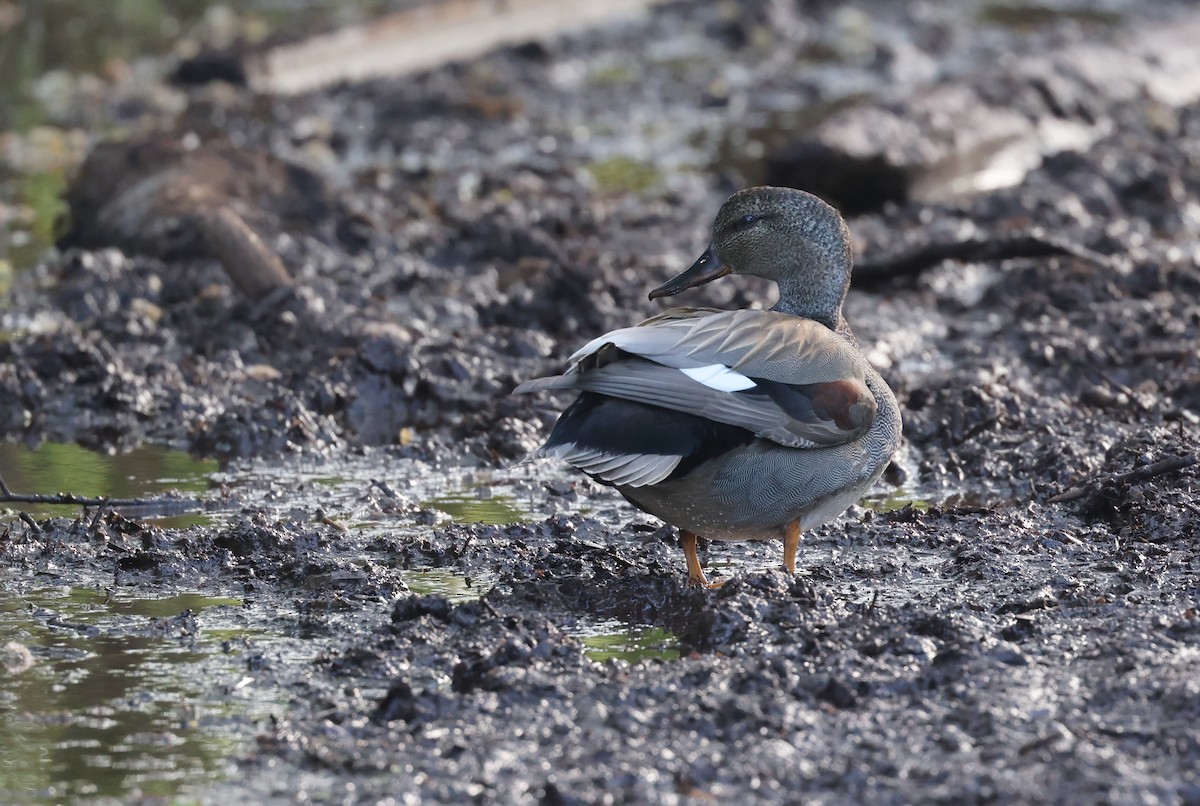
point(719, 377)
point(624, 469)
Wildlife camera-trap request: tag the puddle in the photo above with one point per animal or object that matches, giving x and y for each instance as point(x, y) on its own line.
point(139, 712)
point(617, 640)
point(899, 498)
point(450, 584)
point(146, 472)
point(171, 606)
point(480, 506)
point(382, 492)
point(896, 499)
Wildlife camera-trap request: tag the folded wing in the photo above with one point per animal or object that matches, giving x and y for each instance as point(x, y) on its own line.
point(792, 381)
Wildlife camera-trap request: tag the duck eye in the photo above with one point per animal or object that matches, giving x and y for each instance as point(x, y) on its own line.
point(743, 223)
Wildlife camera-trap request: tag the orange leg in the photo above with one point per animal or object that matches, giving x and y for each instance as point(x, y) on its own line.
point(791, 540)
point(687, 542)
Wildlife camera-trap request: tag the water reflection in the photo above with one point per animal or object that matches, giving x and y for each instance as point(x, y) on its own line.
point(478, 507)
point(104, 712)
point(52, 468)
point(617, 640)
point(979, 497)
point(450, 584)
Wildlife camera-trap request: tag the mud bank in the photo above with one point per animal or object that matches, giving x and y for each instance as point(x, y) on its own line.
point(1014, 616)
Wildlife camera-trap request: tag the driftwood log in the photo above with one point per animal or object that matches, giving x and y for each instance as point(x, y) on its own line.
point(159, 196)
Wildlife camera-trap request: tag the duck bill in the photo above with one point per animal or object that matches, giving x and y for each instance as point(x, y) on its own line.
point(708, 268)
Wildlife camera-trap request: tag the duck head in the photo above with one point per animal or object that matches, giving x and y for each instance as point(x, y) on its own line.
point(784, 235)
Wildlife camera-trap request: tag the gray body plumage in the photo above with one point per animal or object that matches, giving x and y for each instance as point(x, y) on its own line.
point(753, 492)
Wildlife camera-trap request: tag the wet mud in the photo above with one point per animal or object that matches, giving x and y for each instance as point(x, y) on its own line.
point(1012, 616)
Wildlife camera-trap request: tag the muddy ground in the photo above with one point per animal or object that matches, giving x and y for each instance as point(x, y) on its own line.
point(1014, 620)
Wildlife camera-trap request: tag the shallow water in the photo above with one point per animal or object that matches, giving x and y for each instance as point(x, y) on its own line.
point(444, 582)
point(110, 695)
point(478, 506)
point(146, 472)
point(617, 640)
point(118, 697)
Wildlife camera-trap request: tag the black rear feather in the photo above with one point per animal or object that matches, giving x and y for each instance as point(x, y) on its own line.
point(618, 426)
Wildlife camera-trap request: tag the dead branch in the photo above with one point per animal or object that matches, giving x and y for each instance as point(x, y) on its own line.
point(1032, 244)
point(1168, 465)
point(7, 496)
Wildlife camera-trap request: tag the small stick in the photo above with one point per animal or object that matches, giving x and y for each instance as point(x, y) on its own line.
point(1161, 466)
point(490, 607)
point(1032, 244)
point(9, 497)
point(385, 489)
point(618, 559)
point(96, 519)
point(323, 517)
point(466, 544)
point(1167, 465)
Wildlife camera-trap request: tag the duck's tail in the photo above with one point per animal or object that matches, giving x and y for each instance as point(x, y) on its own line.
point(546, 384)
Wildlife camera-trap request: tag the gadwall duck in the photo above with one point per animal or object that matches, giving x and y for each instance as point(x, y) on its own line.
point(737, 425)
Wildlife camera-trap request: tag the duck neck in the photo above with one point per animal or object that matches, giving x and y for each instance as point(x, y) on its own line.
point(819, 301)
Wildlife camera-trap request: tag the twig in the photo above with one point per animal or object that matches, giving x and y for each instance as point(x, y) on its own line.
point(96, 519)
point(1142, 473)
point(466, 544)
point(383, 487)
point(9, 497)
point(617, 558)
point(323, 517)
point(1162, 466)
point(488, 606)
point(1034, 243)
point(252, 265)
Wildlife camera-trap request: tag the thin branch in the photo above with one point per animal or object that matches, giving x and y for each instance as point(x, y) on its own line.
point(95, 520)
point(1142, 473)
point(323, 517)
point(8, 497)
point(383, 487)
point(980, 249)
point(1162, 466)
